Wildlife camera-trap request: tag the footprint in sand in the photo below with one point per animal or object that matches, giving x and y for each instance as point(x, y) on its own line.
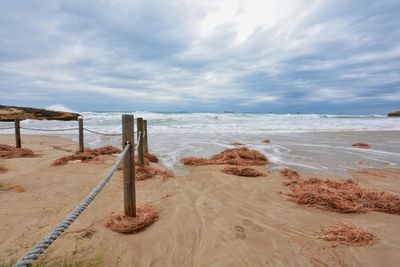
point(255, 227)
point(240, 232)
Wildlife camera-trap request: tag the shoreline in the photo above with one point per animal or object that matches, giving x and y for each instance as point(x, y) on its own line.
point(320, 152)
point(198, 212)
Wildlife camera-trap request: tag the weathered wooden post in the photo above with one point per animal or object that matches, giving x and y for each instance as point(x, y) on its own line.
point(139, 123)
point(129, 165)
point(81, 146)
point(17, 133)
point(146, 144)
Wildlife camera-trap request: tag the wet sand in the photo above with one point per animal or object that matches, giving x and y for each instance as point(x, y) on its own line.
point(317, 152)
point(207, 218)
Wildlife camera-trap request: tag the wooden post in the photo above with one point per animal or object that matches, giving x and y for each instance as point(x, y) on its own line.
point(81, 146)
point(17, 133)
point(146, 144)
point(129, 166)
point(139, 122)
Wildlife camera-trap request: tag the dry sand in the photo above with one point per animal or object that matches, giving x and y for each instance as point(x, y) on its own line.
point(207, 218)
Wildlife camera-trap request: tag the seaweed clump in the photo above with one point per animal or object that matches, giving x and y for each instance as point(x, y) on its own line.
point(87, 155)
point(242, 171)
point(361, 145)
point(151, 157)
point(241, 156)
point(343, 196)
point(119, 222)
point(9, 152)
point(346, 233)
point(147, 172)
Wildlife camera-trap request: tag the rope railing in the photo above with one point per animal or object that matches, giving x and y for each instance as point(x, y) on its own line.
point(41, 246)
point(50, 130)
point(105, 134)
point(62, 129)
point(128, 134)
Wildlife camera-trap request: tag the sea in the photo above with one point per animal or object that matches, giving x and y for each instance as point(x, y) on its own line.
point(319, 143)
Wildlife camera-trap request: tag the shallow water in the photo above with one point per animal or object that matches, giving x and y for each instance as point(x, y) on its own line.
point(318, 143)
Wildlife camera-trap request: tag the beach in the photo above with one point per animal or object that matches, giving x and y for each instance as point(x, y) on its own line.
point(200, 133)
point(206, 217)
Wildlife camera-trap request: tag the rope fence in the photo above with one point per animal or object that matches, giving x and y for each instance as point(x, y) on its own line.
point(61, 130)
point(140, 133)
point(50, 130)
point(41, 246)
point(105, 134)
point(126, 157)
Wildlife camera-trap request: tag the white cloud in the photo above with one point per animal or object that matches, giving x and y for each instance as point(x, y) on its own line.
point(213, 52)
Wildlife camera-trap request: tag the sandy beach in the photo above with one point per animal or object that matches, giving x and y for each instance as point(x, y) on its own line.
point(207, 218)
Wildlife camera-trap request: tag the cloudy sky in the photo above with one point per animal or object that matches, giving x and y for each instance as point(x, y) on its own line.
point(262, 56)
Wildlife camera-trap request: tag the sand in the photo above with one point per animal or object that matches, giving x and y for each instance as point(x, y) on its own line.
point(207, 218)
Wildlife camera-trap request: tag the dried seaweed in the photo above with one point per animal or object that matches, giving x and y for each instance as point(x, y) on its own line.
point(151, 157)
point(346, 233)
point(242, 156)
point(242, 171)
point(146, 172)
point(361, 145)
point(105, 150)
point(87, 155)
point(121, 223)
point(9, 152)
point(343, 196)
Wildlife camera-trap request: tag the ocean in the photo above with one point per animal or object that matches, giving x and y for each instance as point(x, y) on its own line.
point(311, 142)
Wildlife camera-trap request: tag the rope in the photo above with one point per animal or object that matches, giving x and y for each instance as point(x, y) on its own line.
point(59, 130)
point(7, 128)
point(106, 134)
point(40, 247)
point(49, 130)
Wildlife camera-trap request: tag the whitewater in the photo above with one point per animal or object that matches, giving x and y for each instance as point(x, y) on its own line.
point(307, 141)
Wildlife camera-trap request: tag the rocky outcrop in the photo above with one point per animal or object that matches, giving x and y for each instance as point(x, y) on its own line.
point(394, 114)
point(10, 113)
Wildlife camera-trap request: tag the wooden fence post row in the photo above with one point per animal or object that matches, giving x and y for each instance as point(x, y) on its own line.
point(146, 143)
point(81, 145)
point(17, 133)
point(139, 122)
point(129, 166)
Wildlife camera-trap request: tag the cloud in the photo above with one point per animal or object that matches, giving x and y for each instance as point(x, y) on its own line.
point(198, 55)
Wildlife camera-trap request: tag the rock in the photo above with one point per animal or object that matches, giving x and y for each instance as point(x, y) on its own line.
point(394, 114)
point(10, 113)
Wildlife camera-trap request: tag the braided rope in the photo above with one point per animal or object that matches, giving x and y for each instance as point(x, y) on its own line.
point(49, 130)
point(91, 131)
point(40, 247)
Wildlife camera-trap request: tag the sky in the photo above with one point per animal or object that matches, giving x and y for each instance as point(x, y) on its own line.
point(280, 56)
